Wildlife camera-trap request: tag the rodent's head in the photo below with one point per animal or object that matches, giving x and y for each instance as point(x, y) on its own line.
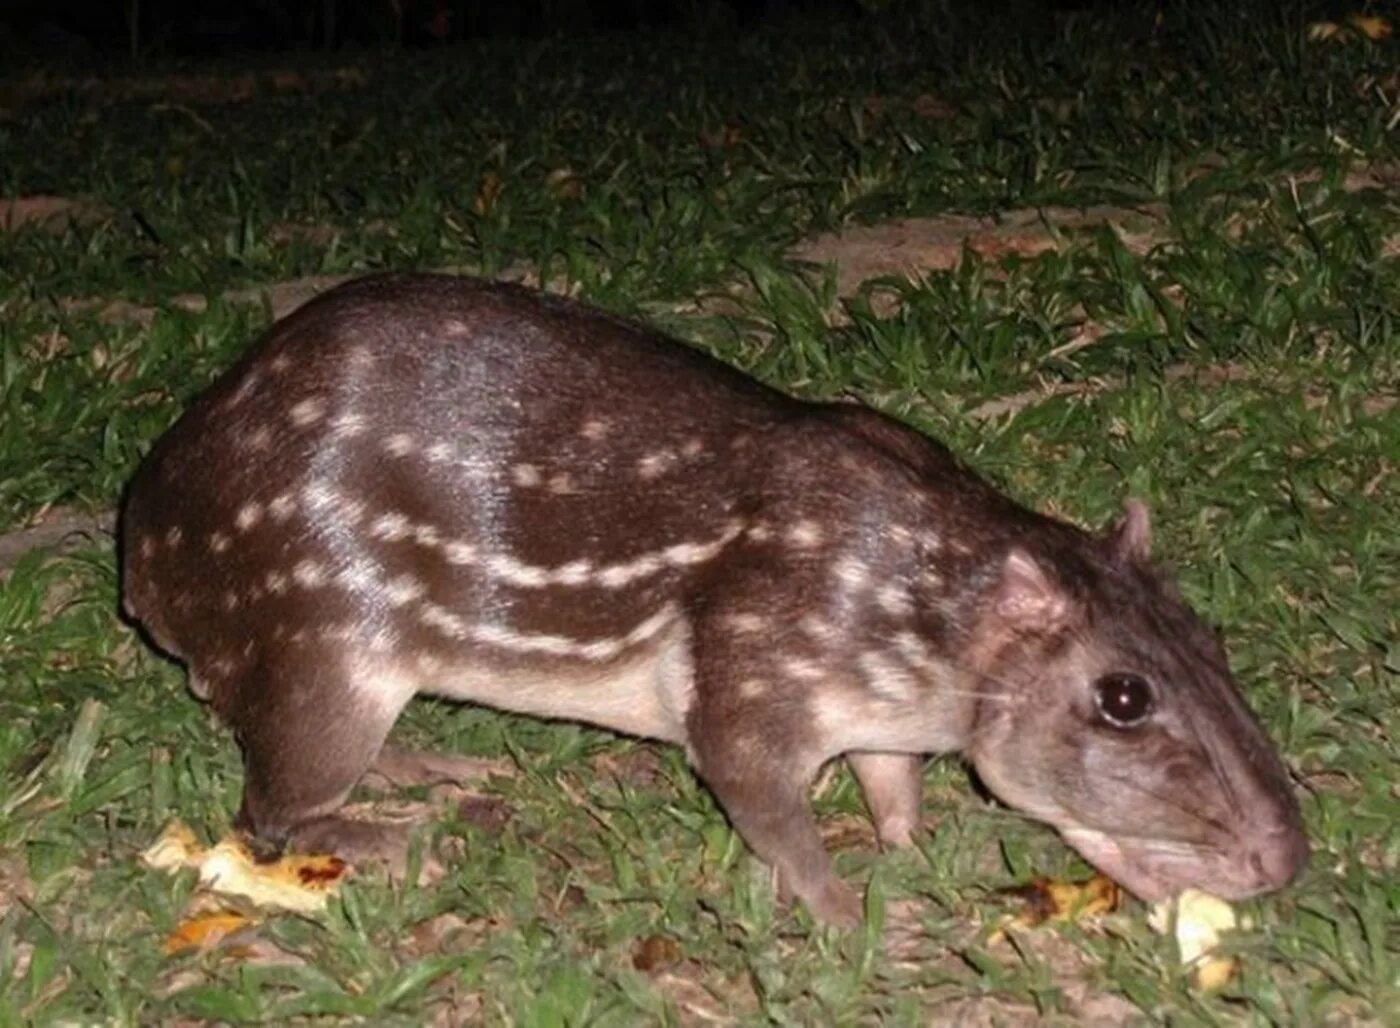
point(1108, 710)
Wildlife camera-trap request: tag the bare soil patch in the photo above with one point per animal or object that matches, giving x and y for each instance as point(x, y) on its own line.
point(51, 213)
point(913, 247)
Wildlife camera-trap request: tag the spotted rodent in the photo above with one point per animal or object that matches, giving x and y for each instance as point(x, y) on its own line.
point(422, 484)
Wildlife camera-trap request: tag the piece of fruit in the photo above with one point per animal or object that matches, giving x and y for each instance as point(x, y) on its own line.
point(1196, 919)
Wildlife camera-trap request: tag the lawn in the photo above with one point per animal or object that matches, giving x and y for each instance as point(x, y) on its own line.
point(1217, 335)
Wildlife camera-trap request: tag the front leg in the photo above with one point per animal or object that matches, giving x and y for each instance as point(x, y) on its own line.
point(750, 733)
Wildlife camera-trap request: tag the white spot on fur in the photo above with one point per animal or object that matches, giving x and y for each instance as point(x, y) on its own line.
point(276, 582)
point(403, 589)
point(753, 688)
point(852, 573)
point(760, 532)
point(915, 652)
point(400, 444)
point(248, 516)
point(148, 546)
point(526, 475)
point(693, 447)
point(443, 620)
point(426, 535)
point(231, 601)
point(895, 600)
point(885, 677)
point(595, 429)
point(615, 576)
point(817, 628)
point(218, 542)
point(507, 638)
point(654, 465)
point(280, 363)
point(348, 426)
point(508, 569)
point(561, 484)
point(174, 537)
point(459, 552)
point(805, 535)
point(803, 670)
point(747, 624)
point(281, 507)
point(360, 357)
point(309, 574)
point(453, 328)
point(260, 439)
point(683, 554)
point(576, 572)
point(391, 527)
point(308, 411)
point(439, 453)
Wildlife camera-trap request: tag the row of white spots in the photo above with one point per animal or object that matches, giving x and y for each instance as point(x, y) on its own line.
point(856, 576)
point(394, 526)
point(506, 638)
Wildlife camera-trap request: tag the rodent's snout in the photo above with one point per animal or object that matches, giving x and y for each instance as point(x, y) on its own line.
point(1279, 857)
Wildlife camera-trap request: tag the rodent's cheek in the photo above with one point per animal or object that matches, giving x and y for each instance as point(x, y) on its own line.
point(1025, 781)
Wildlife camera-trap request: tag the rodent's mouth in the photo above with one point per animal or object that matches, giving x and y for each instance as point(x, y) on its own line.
point(1157, 869)
point(1106, 855)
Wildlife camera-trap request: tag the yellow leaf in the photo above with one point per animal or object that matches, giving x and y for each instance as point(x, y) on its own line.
point(1372, 26)
point(298, 882)
point(295, 882)
point(487, 193)
point(1049, 900)
point(204, 931)
point(176, 848)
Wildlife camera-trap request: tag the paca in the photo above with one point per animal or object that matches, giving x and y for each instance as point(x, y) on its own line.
point(421, 484)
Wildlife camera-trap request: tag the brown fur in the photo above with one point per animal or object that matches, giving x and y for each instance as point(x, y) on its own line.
point(425, 484)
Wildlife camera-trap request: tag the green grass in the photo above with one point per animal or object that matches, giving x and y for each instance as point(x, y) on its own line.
point(1274, 488)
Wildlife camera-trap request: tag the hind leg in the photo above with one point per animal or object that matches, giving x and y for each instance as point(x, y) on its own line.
point(309, 728)
point(892, 783)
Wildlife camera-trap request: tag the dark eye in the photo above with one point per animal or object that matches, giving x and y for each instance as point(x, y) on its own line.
point(1124, 700)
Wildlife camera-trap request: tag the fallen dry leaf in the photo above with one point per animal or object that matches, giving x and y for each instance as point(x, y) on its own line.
point(655, 952)
point(295, 882)
point(1049, 900)
point(204, 931)
point(52, 213)
point(565, 183)
point(487, 193)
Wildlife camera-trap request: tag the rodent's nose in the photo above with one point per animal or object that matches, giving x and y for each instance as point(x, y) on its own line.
point(1279, 857)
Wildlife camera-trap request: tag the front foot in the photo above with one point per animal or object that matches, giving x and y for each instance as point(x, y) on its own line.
point(835, 903)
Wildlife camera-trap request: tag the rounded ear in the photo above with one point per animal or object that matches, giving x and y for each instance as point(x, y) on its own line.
point(1027, 599)
point(1131, 538)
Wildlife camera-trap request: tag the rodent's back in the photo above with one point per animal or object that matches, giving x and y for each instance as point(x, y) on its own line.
point(454, 408)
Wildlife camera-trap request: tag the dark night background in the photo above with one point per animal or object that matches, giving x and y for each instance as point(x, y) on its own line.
point(179, 27)
point(68, 29)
